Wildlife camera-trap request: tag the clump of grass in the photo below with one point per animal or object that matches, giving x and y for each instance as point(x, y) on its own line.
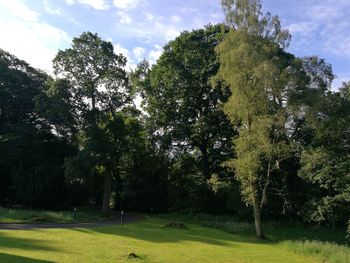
point(326, 251)
point(133, 255)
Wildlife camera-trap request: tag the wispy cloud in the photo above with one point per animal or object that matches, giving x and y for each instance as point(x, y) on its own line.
point(124, 18)
point(52, 10)
point(29, 38)
point(325, 24)
point(139, 53)
point(155, 53)
point(175, 19)
point(96, 4)
point(126, 4)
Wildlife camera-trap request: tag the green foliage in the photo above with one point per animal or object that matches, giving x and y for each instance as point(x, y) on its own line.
point(325, 163)
point(100, 89)
point(247, 15)
point(181, 101)
point(227, 112)
point(91, 64)
point(262, 79)
point(32, 152)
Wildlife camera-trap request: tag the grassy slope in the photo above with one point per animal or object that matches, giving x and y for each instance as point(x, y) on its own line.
point(147, 239)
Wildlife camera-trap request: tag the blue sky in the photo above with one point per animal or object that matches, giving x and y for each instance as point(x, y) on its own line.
point(34, 30)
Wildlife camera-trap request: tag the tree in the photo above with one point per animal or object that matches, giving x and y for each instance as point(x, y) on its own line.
point(100, 89)
point(181, 102)
point(247, 16)
point(32, 151)
point(262, 78)
point(325, 162)
point(143, 171)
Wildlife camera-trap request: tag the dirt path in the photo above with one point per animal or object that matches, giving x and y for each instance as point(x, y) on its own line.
point(126, 219)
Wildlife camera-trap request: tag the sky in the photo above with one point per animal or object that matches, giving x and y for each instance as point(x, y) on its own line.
point(34, 30)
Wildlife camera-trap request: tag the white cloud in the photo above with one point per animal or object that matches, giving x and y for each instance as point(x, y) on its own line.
point(37, 43)
point(19, 10)
point(139, 53)
point(322, 25)
point(124, 18)
point(126, 4)
point(303, 28)
point(149, 17)
point(171, 34)
point(155, 54)
point(175, 19)
point(51, 10)
point(28, 38)
point(118, 49)
point(188, 10)
point(337, 83)
point(96, 4)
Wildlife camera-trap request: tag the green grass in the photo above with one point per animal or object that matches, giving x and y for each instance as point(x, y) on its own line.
point(320, 243)
point(274, 231)
point(325, 251)
point(151, 242)
point(10, 215)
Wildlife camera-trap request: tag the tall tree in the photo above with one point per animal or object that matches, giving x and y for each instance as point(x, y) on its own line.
point(100, 88)
point(32, 151)
point(263, 78)
point(181, 101)
point(325, 162)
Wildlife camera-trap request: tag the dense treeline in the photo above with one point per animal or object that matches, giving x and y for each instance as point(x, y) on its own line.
point(229, 120)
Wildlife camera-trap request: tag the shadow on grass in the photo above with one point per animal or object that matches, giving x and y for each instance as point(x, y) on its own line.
point(23, 243)
point(18, 259)
point(274, 231)
point(279, 232)
point(153, 230)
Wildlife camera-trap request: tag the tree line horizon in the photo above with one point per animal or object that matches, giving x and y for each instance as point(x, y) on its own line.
point(231, 123)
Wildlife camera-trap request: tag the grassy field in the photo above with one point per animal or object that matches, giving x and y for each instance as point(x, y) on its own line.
point(321, 243)
point(152, 242)
point(10, 215)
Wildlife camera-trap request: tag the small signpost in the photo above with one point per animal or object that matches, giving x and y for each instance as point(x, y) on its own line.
point(121, 217)
point(75, 214)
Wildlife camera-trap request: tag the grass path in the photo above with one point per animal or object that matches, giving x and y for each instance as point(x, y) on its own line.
point(148, 239)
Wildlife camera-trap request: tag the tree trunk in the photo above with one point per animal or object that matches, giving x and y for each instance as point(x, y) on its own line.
point(257, 220)
point(107, 192)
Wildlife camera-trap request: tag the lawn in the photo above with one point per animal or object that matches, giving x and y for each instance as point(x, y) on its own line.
point(149, 240)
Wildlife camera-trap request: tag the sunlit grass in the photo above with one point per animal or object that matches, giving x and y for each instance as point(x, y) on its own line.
point(148, 239)
point(326, 251)
point(321, 243)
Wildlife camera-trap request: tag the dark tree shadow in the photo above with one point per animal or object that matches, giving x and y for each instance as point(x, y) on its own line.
point(7, 241)
point(14, 259)
point(154, 231)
